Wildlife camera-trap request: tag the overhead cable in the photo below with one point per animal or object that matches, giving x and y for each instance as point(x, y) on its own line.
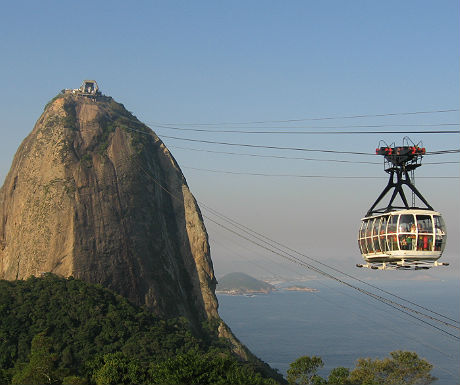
point(280, 148)
point(274, 156)
point(293, 148)
point(441, 111)
point(292, 157)
point(308, 176)
point(322, 132)
point(268, 147)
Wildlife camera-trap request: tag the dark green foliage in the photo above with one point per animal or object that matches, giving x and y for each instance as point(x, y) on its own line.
point(117, 368)
point(210, 368)
point(74, 380)
point(339, 376)
point(82, 333)
point(402, 368)
point(41, 366)
point(303, 370)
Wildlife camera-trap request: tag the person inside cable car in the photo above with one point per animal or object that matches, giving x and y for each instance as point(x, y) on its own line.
point(439, 239)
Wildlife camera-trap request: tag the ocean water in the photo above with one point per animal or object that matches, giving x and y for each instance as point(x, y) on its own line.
point(340, 325)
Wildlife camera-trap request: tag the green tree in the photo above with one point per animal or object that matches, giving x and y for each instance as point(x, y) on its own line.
point(339, 376)
point(303, 370)
point(41, 367)
point(194, 367)
point(118, 369)
point(74, 380)
point(402, 368)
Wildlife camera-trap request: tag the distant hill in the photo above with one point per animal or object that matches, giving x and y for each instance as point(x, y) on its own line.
point(240, 283)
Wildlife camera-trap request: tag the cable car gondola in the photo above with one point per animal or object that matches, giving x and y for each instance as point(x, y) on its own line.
point(404, 236)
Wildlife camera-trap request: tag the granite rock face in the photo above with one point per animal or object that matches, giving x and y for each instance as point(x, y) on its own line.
point(93, 193)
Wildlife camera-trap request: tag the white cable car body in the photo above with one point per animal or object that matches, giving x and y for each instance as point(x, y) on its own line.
point(402, 237)
point(411, 238)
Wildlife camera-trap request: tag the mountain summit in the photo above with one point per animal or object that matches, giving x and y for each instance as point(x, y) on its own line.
point(94, 193)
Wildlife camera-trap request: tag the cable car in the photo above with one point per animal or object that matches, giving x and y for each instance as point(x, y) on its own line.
point(403, 236)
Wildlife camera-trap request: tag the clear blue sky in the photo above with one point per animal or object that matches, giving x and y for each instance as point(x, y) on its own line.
point(238, 61)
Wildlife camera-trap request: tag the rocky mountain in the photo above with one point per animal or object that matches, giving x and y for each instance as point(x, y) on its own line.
point(94, 193)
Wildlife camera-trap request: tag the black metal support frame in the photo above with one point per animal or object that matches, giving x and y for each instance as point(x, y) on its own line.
point(398, 162)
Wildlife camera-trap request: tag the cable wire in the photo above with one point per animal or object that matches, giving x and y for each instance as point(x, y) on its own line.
point(307, 176)
point(294, 148)
point(322, 118)
point(292, 157)
point(315, 132)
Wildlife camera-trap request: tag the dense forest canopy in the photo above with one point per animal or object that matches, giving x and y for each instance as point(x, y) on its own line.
point(65, 331)
point(83, 333)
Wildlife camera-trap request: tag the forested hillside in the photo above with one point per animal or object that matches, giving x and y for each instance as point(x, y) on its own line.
point(57, 330)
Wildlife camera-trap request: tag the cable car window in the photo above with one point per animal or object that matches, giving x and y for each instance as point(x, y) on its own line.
point(440, 233)
point(407, 223)
point(425, 233)
point(375, 235)
point(362, 237)
point(370, 247)
point(383, 227)
point(425, 242)
point(392, 239)
point(407, 241)
point(376, 244)
point(375, 226)
point(369, 228)
point(392, 224)
point(362, 246)
point(424, 224)
point(362, 230)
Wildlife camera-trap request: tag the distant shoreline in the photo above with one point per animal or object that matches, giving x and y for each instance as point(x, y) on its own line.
point(301, 288)
point(256, 292)
point(243, 292)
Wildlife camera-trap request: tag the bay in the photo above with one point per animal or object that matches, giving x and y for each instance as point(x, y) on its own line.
point(341, 325)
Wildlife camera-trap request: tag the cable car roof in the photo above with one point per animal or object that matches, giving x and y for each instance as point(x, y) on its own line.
point(415, 211)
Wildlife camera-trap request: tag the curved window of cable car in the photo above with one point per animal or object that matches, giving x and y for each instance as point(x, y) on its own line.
point(370, 249)
point(392, 228)
point(440, 234)
point(362, 238)
point(407, 232)
point(382, 233)
point(425, 233)
point(375, 235)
